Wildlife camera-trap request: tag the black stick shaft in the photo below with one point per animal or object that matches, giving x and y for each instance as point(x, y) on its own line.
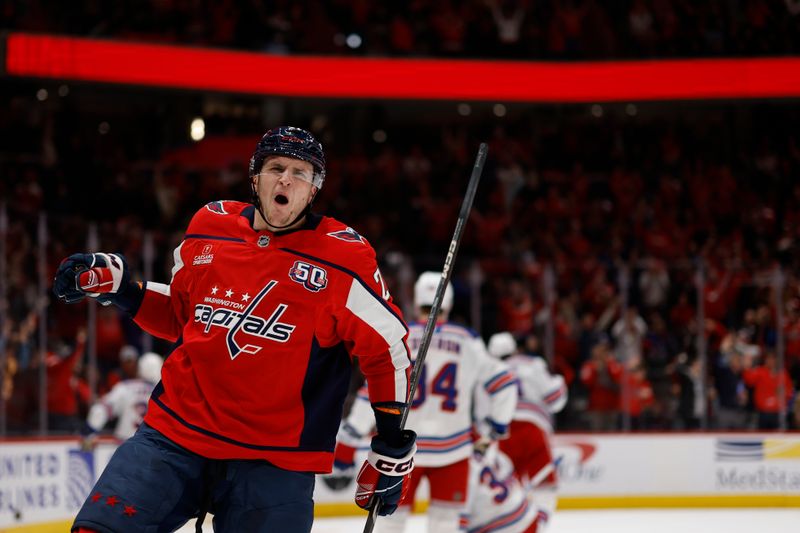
point(447, 271)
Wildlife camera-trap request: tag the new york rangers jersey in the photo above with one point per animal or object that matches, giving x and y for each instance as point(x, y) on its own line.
point(457, 372)
point(127, 402)
point(497, 502)
point(265, 325)
point(541, 393)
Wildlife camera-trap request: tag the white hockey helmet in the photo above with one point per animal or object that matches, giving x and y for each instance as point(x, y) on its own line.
point(502, 344)
point(150, 367)
point(425, 291)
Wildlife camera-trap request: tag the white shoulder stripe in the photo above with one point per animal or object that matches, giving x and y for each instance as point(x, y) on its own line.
point(400, 362)
point(178, 261)
point(158, 287)
point(366, 306)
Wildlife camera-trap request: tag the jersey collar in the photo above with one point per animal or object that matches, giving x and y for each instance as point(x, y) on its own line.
point(311, 222)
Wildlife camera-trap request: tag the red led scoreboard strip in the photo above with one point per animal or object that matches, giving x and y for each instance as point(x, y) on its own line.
point(73, 58)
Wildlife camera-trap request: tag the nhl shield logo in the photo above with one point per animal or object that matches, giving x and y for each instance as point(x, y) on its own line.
point(263, 241)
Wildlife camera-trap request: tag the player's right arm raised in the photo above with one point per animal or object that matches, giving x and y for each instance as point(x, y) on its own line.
point(154, 306)
point(160, 309)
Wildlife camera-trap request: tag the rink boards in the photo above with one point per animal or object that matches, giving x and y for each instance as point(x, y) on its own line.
point(45, 481)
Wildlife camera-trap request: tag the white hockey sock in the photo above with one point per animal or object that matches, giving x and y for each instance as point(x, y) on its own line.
point(545, 499)
point(394, 523)
point(444, 518)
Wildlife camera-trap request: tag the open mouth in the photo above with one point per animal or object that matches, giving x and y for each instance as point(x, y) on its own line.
point(281, 199)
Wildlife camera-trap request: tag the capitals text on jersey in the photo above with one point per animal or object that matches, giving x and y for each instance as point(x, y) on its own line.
point(247, 322)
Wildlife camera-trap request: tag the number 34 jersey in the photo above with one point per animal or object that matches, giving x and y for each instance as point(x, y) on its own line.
point(459, 379)
point(266, 325)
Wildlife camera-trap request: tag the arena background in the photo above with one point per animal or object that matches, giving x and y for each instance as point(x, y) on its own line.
point(643, 163)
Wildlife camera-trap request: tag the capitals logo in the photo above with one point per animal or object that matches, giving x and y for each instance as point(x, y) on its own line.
point(247, 323)
point(347, 235)
point(217, 207)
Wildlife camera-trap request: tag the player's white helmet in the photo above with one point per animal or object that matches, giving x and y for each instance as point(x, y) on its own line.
point(425, 291)
point(150, 367)
point(502, 344)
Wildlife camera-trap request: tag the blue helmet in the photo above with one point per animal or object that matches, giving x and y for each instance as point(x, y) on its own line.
point(293, 142)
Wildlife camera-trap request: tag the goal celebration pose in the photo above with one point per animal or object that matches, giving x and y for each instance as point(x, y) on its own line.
point(267, 305)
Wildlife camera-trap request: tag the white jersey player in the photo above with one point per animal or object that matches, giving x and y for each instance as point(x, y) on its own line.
point(456, 366)
point(497, 501)
point(541, 395)
point(127, 400)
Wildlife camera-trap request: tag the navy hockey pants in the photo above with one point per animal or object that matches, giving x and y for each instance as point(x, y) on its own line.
point(152, 485)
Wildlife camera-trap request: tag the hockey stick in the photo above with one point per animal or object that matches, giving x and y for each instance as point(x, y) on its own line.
point(447, 271)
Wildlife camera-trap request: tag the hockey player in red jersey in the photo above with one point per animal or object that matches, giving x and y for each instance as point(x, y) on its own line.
point(267, 305)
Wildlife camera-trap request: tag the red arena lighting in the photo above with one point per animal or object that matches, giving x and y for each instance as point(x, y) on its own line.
point(72, 58)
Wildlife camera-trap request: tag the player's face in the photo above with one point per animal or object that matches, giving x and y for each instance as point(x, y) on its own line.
point(285, 189)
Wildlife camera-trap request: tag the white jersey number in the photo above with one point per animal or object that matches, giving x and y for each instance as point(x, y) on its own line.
point(379, 279)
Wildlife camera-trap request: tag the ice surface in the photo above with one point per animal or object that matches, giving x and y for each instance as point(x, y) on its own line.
point(616, 521)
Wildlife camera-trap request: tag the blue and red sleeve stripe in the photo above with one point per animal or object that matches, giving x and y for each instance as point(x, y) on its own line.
point(499, 382)
point(444, 444)
point(554, 395)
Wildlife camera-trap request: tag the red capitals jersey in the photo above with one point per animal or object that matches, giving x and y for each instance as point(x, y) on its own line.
point(266, 326)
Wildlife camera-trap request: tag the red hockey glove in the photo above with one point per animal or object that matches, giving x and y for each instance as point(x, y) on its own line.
point(102, 276)
point(385, 474)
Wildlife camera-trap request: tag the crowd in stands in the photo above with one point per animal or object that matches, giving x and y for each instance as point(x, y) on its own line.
point(552, 29)
point(624, 213)
point(593, 239)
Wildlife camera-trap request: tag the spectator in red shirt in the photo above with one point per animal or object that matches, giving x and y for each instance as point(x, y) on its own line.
point(791, 333)
point(517, 309)
point(766, 381)
point(637, 396)
point(602, 375)
point(62, 398)
point(110, 338)
point(716, 293)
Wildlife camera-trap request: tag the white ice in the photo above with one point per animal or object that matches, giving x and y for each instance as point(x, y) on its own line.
point(616, 521)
